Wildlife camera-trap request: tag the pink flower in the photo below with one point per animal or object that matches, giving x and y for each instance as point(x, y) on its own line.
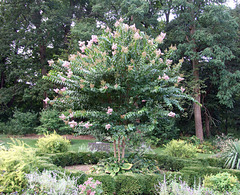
point(72, 123)
point(133, 28)
point(144, 100)
point(87, 125)
point(121, 19)
point(126, 27)
point(165, 77)
point(137, 36)
point(171, 114)
point(89, 45)
point(110, 110)
point(160, 37)
point(161, 60)
point(46, 100)
point(182, 89)
point(150, 41)
point(92, 193)
point(63, 89)
point(63, 79)
point(117, 23)
point(71, 115)
point(114, 46)
point(56, 90)
point(116, 86)
point(66, 64)
point(50, 62)
point(62, 116)
point(94, 38)
point(69, 74)
point(81, 43)
point(83, 48)
point(114, 52)
point(168, 62)
point(107, 29)
point(158, 52)
point(108, 126)
point(159, 77)
point(98, 182)
point(180, 79)
point(105, 87)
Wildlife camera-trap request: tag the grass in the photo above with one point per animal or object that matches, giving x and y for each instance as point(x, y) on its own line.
point(75, 143)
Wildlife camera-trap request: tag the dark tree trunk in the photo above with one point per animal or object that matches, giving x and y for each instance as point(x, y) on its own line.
point(207, 125)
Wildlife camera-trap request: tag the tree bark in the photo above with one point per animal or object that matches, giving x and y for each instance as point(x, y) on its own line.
point(114, 149)
point(123, 148)
point(119, 151)
point(207, 126)
point(197, 107)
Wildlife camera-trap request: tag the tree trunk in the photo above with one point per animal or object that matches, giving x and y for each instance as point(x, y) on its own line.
point(197, 97)
point(114, 149)
point(119, 151)
point(207, 126)
point(123, 148)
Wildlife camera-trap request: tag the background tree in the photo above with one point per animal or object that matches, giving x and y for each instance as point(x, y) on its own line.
point(204, 33)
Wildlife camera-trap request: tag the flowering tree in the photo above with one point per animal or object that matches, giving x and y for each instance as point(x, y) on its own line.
point(119, 83)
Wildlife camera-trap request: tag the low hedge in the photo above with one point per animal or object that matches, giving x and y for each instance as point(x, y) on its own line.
point(194, 174)
point(164, 162)
point(124, 183)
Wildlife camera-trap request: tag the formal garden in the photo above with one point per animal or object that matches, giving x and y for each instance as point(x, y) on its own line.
point(119, 88)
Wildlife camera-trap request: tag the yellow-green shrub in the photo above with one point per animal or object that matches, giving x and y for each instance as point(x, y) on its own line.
point(53, 143)
point(221, 182)
point(14, 163)
point(181, 149)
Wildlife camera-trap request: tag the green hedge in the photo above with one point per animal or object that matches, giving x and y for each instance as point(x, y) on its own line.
point(77, 158)
point(124, 183)
point(195, 174)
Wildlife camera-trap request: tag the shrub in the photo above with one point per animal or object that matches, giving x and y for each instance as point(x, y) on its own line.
point(51, 122)
point(53, 143)
point(222, 182)
point(232, 155)
point(21, 123)
point(52, 182)
point(181, 149)
point(14, 163)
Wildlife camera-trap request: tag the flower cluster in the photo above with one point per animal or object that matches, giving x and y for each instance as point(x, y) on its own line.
point(91, 187)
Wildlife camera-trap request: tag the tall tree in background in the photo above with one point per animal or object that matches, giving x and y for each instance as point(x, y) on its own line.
point(204, 33)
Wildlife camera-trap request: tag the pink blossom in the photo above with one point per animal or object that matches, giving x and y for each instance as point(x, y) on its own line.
point(171, 114)
point(89, 45)
point(165, 77)
point(137, 36)
point(94, 38)
point(107, 29)
point(168, 62)
point(114, 46)
point(159, 77)
point(105, 87)
point(63, 79)
point(87, 125)
point(158, 52)
point(117, 23)
point(69, 74)
point(98, 182)
point(72, 123)
point(66, 64)
point(46, 100)
point(71, 115)
point(150, 41)
point(94, 186)
point(110, 110)
point(182, 89)
point(180, 79)
point(62, 116)
point(114, 52)
point(144, 100)
point(50, 62)
point(90, 178)
point(108, 126)
point(126, 27)
point(133, 28)
point(121, 19)
point(81, 43)
point(116, 86)
point(92, 193)
point(63, 89)
point(160, 37)
point(161, 60)
point(56, 90)
point(83, 48)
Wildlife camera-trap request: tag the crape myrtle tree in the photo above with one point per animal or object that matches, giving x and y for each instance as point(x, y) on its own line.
point(119, 83)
